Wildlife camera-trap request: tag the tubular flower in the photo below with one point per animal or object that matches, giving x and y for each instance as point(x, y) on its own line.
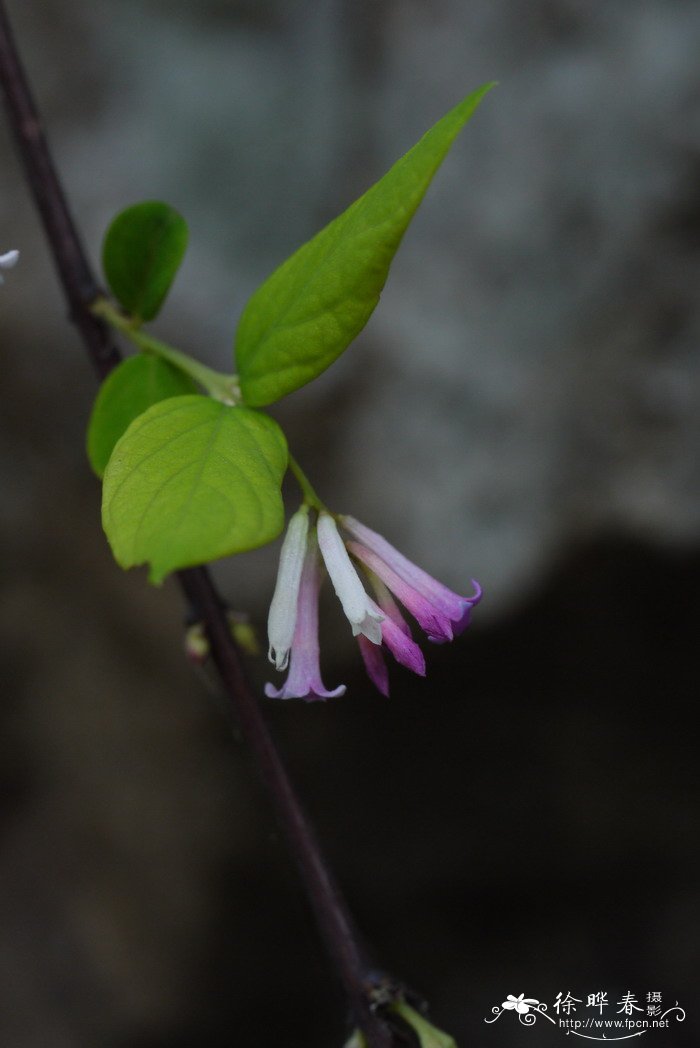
point(283, 609)
point(304, 678)
point(362, 613)
point(396, 636)
point(442, 613)
point(7, 261)
point(376, 621)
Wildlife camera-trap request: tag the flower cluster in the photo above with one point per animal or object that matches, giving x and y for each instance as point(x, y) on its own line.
point(376, 621)
point(7, 261)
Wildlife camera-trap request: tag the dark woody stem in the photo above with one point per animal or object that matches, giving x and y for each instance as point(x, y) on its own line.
point(81, 290)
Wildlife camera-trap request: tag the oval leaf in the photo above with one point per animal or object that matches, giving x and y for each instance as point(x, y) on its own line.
point(133, 386)
point(303, 317)
point(142, 252)
point(192, 480)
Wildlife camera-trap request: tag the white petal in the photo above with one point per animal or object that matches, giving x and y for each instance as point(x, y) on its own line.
point(9, 259)
point(360, 610)
point(283, 609)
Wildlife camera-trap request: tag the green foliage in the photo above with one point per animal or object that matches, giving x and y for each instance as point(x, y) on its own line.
point(142, 252)
point(188, 478)
point(310, 309)
point(192, 480)
point(126, 393)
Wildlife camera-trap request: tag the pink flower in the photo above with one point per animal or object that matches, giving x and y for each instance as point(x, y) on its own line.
point(437, 609)
point(442, 613)
point(396, 636)
point(377, 623)
point(304, 678)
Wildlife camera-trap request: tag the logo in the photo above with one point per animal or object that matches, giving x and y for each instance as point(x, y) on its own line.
point(591, 1021)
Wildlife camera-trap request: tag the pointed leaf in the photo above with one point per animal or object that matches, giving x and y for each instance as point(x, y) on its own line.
point(133, 386)
point(303, 317)
point(192, 480)
point(142, 252)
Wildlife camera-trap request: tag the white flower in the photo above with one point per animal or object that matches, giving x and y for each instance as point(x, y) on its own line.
point(282, 618)
point(360, 610)
point(7, 261)
point(304, 678)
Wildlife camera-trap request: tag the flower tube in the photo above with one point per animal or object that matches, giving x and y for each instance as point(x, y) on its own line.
point(362, 613)
point(304, 678)
point(282, 617)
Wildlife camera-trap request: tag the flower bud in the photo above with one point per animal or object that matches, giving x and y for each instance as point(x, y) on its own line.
point(197, 648)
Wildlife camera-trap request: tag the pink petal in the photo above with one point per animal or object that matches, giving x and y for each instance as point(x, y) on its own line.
point(388, 605)
point(445, 600)
point(431, 619)
point(374, 664)
point(404, 650)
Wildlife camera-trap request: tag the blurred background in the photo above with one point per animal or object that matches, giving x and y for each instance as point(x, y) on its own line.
point(522, 408)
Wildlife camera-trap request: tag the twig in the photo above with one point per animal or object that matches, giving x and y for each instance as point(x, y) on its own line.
point(81, 288)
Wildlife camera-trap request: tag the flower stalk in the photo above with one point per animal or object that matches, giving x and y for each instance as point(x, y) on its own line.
point(307, 489)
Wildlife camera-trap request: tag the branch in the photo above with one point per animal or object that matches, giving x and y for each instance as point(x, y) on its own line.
point(80, 289)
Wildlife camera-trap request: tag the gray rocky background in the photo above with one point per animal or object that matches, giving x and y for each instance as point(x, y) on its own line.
point(523, 407)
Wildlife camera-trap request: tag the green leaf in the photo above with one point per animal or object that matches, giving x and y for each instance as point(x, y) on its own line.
point(192, 480)
point(304, 315)
point(134, 385)
point(142, 252)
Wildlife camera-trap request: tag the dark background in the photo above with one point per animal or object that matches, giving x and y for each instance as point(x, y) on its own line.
point(522, 408)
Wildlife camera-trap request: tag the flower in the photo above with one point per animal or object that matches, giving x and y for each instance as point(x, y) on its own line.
point(304, 678)
point(442, 613)
point(438, 610)
point(396, 636)
point(377, 621)
point(283, 609)
point(520, 1004)
point(7, 261)
point(362, 613)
